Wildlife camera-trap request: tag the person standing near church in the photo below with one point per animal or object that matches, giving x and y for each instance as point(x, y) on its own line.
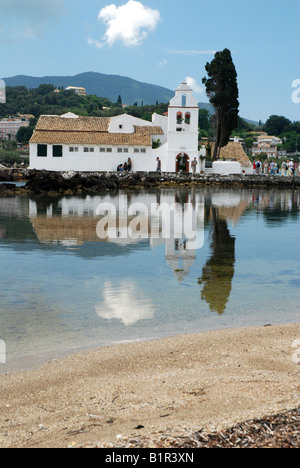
point(194, 165)
point(158, 169)
point(129, 165)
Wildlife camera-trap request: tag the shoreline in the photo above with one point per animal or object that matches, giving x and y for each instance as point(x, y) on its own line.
point(178, 385)
point(81, 183)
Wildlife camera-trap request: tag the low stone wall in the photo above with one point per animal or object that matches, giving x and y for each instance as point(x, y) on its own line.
point(70, 183)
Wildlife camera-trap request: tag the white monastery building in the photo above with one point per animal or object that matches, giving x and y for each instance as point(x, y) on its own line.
point(100, 144)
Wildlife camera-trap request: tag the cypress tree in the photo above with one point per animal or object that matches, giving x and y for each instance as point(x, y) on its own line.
point(222, 91)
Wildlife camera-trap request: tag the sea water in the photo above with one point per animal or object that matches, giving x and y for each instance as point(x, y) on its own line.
point(64, 289)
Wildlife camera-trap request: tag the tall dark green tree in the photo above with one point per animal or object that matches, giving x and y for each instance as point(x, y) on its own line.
point(222, 91)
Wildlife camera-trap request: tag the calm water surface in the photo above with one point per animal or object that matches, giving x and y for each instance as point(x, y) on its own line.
point(63, 289)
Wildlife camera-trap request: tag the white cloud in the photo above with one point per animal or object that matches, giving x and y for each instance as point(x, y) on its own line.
point(163, 62)
point(94, 42)
point(129, 24)
point(194, 85)
point(126, 303)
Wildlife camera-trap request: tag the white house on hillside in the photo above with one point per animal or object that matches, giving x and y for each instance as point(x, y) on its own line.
point(71, 142)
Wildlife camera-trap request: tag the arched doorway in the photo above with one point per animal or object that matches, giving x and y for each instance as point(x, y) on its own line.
point(182, 163)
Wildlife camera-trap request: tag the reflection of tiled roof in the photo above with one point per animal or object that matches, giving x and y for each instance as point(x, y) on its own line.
point(234, 151)
point(89, 131)
point(63, 229)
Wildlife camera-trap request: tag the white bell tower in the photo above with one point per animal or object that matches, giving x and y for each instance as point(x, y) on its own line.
point(183, 116)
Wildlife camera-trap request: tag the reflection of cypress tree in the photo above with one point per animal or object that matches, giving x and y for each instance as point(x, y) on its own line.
point(218, 272)
point(43, 203)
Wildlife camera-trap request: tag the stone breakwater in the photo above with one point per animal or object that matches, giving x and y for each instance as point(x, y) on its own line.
point(73, 183)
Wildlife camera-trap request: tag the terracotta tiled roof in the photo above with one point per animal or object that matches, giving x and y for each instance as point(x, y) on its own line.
point(236, 152)
point(91, 138)
point(89, 131)
point(80, 124)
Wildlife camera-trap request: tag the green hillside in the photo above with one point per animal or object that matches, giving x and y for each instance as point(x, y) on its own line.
point(108, 86)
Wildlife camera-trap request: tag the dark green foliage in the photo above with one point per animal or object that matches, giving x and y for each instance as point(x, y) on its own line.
point(24, 134)
point(46, 100)
point(276, 124)
point(10, 157)
point(289, 132)
point(222, 91)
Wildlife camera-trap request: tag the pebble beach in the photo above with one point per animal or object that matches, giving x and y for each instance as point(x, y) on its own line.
point(157, 393)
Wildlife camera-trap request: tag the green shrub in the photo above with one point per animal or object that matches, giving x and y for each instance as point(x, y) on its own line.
point(10, 157)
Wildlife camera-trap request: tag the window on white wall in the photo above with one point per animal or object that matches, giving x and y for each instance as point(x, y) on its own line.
point(57, 151)
point(42, 151)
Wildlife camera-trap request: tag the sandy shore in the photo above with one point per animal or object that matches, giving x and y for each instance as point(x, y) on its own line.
point(209, 380)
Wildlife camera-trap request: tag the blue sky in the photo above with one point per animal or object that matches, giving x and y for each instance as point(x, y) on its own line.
point(160, 42)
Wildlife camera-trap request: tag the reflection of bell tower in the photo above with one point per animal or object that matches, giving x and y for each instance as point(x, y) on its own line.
point(186, 237)
point(180, 257)
point(183, 116)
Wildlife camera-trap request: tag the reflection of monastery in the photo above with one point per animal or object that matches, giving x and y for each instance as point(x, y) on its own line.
point(92, 144)
point(177, 222)
point(72, 222)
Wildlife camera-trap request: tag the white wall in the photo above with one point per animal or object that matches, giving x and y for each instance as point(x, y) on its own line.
point(96, 161)
point(160, 121)
point(227, 167)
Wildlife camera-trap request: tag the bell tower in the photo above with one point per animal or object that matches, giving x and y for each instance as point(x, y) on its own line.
point(183, 117)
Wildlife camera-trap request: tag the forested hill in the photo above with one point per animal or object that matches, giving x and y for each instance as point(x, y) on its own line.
point(105, 86)
point(109, 86)
point(47, 100)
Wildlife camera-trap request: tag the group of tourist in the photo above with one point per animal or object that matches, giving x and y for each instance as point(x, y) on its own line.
point(126, 167)
point(287, 168)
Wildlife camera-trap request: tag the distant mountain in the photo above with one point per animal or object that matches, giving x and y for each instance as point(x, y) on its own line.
point(207, 106)
point(108, 86)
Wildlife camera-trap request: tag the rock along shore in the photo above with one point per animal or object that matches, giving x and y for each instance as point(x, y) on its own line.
point(73, 183)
